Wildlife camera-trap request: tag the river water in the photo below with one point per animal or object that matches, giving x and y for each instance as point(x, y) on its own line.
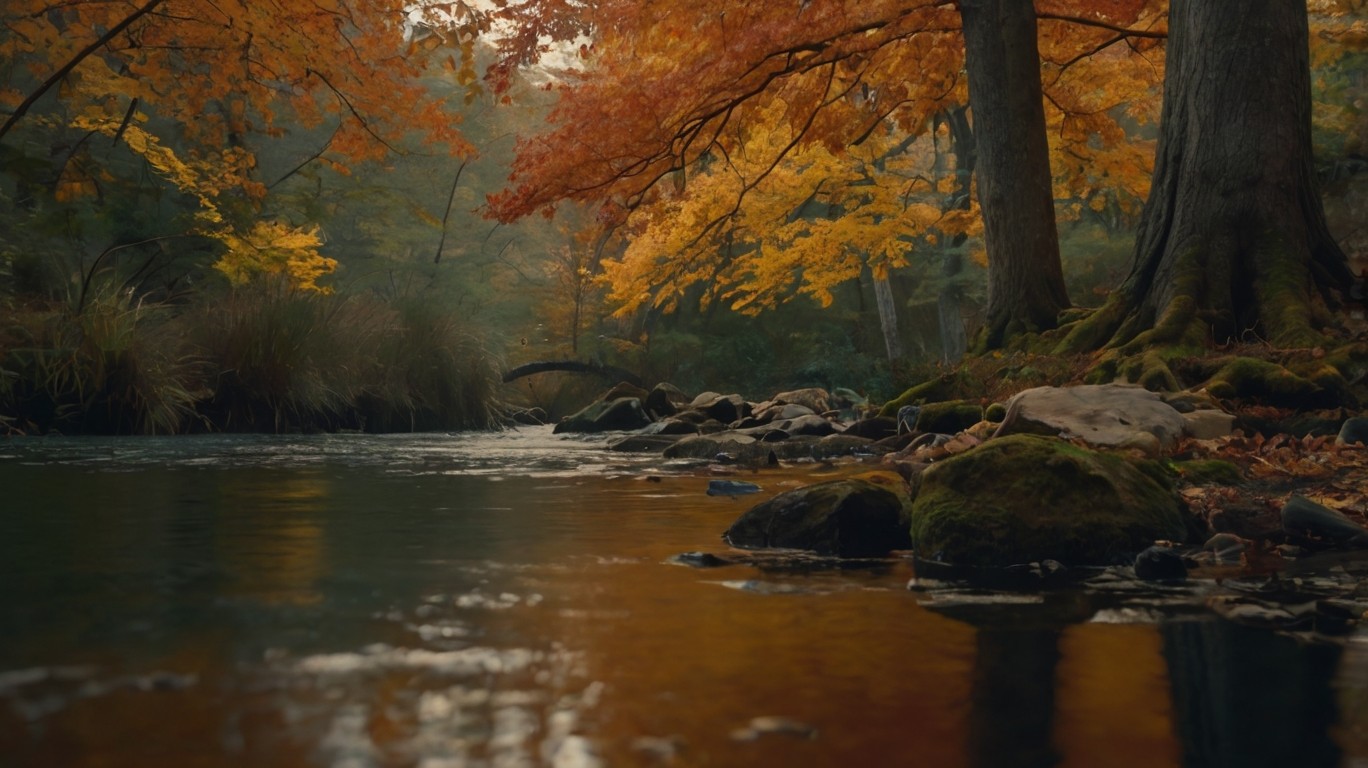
point(511, 599)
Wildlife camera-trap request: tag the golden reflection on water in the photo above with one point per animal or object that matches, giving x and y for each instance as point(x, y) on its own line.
point(1112, 697)
point(270, 537)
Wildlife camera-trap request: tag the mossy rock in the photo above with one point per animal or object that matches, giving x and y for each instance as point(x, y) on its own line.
point(1209, 472)
point(854, 517)
point(940, 388)
point(1026, 498)
point(949, 417)
point(995, 413)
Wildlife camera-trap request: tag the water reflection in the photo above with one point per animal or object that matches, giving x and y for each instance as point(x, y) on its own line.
point(269, 535)
point(387, 602)
point(1051, 688)
point(1251, 697)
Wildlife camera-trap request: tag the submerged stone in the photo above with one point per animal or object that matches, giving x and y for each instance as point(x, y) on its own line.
point(1160, 564)
point(731, 488)
point(1026, 498)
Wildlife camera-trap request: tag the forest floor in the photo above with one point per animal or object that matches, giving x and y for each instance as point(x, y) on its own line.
point(1280, 451)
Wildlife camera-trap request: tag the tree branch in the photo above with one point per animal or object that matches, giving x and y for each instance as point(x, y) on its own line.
point(80, 56)
point(1126, 31)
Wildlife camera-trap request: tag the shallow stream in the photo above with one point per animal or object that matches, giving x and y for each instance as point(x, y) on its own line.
point(511, 600)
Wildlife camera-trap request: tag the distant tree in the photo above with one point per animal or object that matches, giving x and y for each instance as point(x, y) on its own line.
point(187, 85)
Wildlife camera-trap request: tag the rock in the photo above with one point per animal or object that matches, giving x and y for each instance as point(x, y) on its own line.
point(762, 726)
point(1160, 564)
point(708, 446)
point(731, 488)
point(1102, 415)
point(670, 427)
point(876, 428)
point(815, 399)
point(841, 444)
point(643, 443)
point(1304, 517)
point(665, 399)
point(621, 390)
point(1225, 548)
point(1146, 443)
point(780, 411)
point(855, 517)
point(724, 408)
point(1247, 610)
point(622, 414)
point(948, 417)
point(1208, 424)
point(810, 424)
point(1353, 431)
point(1026, 498)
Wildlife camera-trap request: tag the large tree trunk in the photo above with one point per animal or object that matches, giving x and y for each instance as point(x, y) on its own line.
point(1025, 281)
point(1233, 242)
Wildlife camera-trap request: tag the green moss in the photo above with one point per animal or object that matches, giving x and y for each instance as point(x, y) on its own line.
point(1248, 377)
point(1093, 330)
point(949, 417)
point(1024, 498)
point(1282, 287)
point(995, 413)
point(935, 390)
point(1208, 472)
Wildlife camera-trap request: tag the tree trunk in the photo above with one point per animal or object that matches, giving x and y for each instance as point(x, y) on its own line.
point(888, 316)
point(954, 341)
point(1233, 244)
point(1025, 280)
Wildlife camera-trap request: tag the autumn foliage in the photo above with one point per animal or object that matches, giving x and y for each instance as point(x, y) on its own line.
point(212, 78)
point(768, 151)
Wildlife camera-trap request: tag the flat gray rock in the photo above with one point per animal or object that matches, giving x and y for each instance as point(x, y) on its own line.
point(1108, 415)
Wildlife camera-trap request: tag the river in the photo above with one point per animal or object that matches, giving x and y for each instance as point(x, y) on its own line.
point(511, 599)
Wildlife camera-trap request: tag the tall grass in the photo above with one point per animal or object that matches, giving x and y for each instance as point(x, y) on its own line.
point(261, 358)
point(433, 373)
point(114, 366)
point(290, 360)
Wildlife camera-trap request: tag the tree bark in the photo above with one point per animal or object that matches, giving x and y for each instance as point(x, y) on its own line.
point(888, 317)
point(1025, 280)
point(1233, 243)
point(954, 340)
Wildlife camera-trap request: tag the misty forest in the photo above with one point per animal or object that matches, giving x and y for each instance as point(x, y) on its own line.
point(619, 382)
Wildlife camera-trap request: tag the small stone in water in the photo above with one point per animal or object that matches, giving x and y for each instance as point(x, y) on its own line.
point(760, 726)
point(1160, 564)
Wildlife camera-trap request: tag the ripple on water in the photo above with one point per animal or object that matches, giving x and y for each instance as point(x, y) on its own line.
point(471, 707)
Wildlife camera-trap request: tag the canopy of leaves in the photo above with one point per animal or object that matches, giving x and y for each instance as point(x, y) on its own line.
point(757, 115)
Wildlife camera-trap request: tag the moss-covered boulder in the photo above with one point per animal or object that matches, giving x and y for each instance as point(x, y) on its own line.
point(949, 417)
point(855, 517)
point(1026, 498)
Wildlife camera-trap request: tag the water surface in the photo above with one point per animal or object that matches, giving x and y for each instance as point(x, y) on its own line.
point(511, 600)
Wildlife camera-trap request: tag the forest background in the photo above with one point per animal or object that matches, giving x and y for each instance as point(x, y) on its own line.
point(279, 215)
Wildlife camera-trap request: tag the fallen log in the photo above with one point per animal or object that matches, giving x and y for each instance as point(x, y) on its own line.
point(610, 372)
